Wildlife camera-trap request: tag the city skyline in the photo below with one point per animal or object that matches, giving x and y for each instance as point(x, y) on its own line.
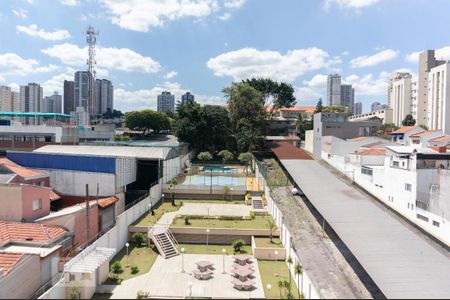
point(141, 54)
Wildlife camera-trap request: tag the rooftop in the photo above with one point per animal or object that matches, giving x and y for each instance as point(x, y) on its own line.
point(444, 138)
point(33, 114)
point(410, 150)
point(420, 134)
point(105, 202)
point(403, 129)
point(8, 261)
point(16, 232)
point(372, 152)
point(289, 151)
point(26, 173)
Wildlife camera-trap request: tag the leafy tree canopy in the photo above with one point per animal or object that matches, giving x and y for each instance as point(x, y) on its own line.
point(112, 114)
point(335, 108)
point(409, 121)
point(226, 155)
point(146, 120)
point(319, 106)
point(204, 156)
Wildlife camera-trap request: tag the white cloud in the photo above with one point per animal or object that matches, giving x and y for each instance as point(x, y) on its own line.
point(13, 64)
point(122, 59)
point(33, 30)
point(234, 3)
point(126, 100)
point(171, 74)
point(349, 3)
point(21, 13)
point(14, 87)
point(318, 81)
point(225, 16)
point(372, 60)
point(441, 53)
point(2, 79)
point(56, 83)
point(250, 62)
point(306, 93)
point(69, 2)
point(368, 85)
point(142, 15)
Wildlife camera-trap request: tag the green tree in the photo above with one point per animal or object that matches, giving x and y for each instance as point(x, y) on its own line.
point(319, 106)
point(237, 245)
point(335, 108)
point(225, 155)
point(274, 94)
point(298, 270)
point(116, 267)
point(226, 191)
point(139, 238)
point(409, 120)
point(204, 156)
point(172, 184)
point(247, 115)
point(271, 225)
point(246, 158)
point(146, 120)
point(286, 286)
point(289, 262)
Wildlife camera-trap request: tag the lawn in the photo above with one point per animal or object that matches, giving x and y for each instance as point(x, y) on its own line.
point(101, 296)
point(260, 222)
point(160, 209)
point(275, 174)
point(142, 257)
point(212, 249)
point(265, 242)
point(214, 201)
point(271, 273)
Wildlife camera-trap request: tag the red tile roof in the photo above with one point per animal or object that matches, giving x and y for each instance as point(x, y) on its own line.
point(444, 138)
point(374, 145)
point(372, 152)
point(54, 196)
point(105, 202)
point(288, 151)
point(403, 129)
point(309, 109)
point(8, 261)
point(29, 232)
point(19, 170)
point(360, 138)
point(422, 133)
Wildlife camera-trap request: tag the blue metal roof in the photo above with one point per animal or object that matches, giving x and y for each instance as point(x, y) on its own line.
point(33, 114)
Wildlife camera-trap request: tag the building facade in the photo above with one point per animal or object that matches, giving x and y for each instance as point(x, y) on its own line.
point(53, 103)
point(81, 89)
point(187, 98)
point(166, 102)
point(357, 108)
point(104, 96)
point(400, 96)
point(347, 96)
point(438, 106)
point(9, 100)
point(31, 98)
point(333, 89)
point(385, 115)
point(69, 97)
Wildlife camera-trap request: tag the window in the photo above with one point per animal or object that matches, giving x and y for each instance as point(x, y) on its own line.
point(423, 218)
point(395, 163)
point(408, 205)
point(435, 223)
point(37, 204)
point(71, 277)
point(408, 187)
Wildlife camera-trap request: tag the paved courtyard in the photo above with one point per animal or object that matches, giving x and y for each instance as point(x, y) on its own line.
point(165, 279)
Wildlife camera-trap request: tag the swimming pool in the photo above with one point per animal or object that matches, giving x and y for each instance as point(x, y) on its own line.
point(199, 180)
point(218, 169)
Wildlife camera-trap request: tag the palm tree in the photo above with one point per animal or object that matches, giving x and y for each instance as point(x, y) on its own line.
point(271, 225)
point(289, 262)
point(298, 270)
point(173, 183)
point(299, 126)
point(286, 286)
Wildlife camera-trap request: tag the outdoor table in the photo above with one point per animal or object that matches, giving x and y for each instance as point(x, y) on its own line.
point(243, 285)
point(204, 265)
point(243, 273)
point(242, 259)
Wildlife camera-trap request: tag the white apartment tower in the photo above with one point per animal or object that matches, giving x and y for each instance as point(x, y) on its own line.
point(427, 61)
point(104, 96)
point(53, 103)
point(31, 98)
point(438, 98)
point(399, 96)
point(9, 100)
point(166, 102)
point(334, 89)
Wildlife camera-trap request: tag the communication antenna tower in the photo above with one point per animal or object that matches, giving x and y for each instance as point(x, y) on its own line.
point(91, 39)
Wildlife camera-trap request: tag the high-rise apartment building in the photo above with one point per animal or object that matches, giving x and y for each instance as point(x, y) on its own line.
point(187, 98)
point(31, 98)
point(53, 103)
point(333, 89)
point(427, 61)
point(9, 100)
point(399, 96)
point(357, 108)
point(375, 106)
point(69, 96)
point(438, 98)
point(166, 102)
point(81, 89)
point(347, 96)
point(104, 96)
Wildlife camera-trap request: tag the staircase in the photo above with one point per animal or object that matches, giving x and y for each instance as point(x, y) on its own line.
point(164, 241)
point(257, 204)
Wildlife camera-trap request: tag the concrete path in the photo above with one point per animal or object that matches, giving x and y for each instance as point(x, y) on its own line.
point(165, 279)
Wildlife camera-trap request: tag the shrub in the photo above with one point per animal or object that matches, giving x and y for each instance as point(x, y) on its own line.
point(181, 203)
point(248, 196)
point(252, 215)
point(141, 294)
point(139, 238)
point(116, 267)
point(204, 156)
point(186, 221)
point(237, 245)
point(134, 269)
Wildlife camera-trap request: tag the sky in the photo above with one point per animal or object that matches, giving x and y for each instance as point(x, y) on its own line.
point(147, 46)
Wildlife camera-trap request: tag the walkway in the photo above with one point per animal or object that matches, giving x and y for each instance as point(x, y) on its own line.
point(165, 280)
point(402, 262)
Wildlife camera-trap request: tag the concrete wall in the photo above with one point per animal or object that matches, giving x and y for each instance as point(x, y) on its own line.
point(268, 253)
point(31, 193)
point(68, 182)
point(309, 139)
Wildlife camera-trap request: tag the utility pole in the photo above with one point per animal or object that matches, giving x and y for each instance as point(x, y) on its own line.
point(87, 213)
